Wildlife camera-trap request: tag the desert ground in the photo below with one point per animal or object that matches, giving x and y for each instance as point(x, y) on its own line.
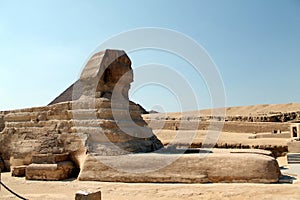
point(36, 190)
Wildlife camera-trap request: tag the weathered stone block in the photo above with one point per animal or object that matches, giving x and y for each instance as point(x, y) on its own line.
point(49, 158)
point(19, 171)
point(294, 146)
point(17, 161)
point(49, 172)
point(185, 168)
point(293, 158)
point(88, 195)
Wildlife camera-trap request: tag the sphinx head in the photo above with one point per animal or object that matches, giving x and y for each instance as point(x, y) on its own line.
point(107, 72)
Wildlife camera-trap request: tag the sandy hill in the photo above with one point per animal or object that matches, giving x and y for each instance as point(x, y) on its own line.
point(254, 110)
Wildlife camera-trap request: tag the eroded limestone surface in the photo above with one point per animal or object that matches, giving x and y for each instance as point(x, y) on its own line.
point(186, 168)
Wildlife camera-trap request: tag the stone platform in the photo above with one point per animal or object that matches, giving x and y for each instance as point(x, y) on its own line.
point(49, 172)
point(221, 167)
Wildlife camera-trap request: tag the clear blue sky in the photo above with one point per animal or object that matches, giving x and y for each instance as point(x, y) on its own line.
point(255, 45)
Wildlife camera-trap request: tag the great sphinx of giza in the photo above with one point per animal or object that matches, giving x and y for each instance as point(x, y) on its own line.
point(101, 96)
point(93, 116)
point(93, 127)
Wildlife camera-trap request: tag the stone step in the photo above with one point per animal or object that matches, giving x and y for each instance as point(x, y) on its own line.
point(293, 158)
point(49, 172)
point(106, 113)
point(84, 114)
point(19, 171)
point(49, 158)
point(293, 162)
point(102, 123)
point(118, 114)
point(186, 168)
point(109, 124)
point(87, 122)
point(99, 103)
point(19, 117)
point(108, 136)
point(38, 116)
point(83, 129)
point(138, 132)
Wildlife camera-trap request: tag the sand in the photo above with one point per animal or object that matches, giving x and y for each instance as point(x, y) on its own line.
point(121, 191)
point(36, 190)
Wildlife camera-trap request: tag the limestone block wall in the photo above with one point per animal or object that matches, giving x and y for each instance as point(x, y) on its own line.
point(271, 117)
point(229, 126)
point(276, 117)
point(38, 130)
point(77, 128)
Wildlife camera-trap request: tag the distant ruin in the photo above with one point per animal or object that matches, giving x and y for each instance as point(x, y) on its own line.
point(94, 131)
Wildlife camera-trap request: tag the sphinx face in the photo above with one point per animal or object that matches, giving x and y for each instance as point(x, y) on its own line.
point(116, 78)
point(107, 73)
